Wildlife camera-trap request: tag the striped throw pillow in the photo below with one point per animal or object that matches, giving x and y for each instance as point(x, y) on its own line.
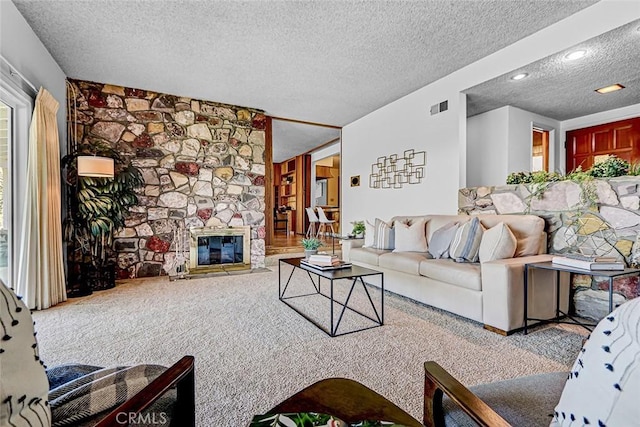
point(466, 243)
point(383, 237)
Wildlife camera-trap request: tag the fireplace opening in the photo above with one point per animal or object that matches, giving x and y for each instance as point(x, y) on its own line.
point(218, 249)
point(214, 250)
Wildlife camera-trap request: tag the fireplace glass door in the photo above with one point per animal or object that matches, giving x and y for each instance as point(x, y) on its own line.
point(220, 250)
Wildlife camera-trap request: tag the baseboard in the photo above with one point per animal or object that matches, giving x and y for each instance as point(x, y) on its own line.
point(500, 331)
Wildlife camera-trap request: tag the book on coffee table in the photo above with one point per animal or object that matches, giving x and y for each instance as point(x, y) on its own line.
point(341, 264)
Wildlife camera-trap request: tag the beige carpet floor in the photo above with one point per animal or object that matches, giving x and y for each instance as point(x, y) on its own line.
point(252, 351)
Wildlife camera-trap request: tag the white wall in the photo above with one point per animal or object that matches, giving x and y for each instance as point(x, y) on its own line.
point(499, 142)
point(520, 140)
point(487, 133)
point(406, 123)
point(23, 49)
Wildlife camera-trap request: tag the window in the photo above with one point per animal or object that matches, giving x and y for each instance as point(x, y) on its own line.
point(16, 107)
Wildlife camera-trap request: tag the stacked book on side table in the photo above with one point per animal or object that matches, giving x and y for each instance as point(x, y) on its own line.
point(588, 262)
point(325, 262)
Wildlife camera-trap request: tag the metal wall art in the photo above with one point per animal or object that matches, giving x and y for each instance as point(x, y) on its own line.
point(394, 171)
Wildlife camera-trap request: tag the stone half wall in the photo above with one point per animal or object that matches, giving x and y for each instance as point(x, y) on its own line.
point(202, 162)
point(602, 217)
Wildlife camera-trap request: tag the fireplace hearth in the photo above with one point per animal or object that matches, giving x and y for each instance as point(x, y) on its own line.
point(216, 249)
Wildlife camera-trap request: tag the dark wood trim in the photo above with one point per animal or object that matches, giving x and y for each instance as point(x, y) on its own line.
point(545, 150)
point(621, 138)
point(438, 381)
point(181, 376)
point(303, 122)
point(346, 399)
point(306, 193)
point(496, 330)
point(269, 197)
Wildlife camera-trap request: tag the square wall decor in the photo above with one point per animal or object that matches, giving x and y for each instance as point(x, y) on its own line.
point(394, 171)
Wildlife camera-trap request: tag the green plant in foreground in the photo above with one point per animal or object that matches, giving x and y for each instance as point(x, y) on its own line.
point(311, 244)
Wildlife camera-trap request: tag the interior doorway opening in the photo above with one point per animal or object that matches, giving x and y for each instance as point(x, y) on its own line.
point(543, 148)
point(539, 150)
point(291, 180)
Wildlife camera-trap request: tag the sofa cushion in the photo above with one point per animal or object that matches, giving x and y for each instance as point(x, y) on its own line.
point(498, 242)
point(466, 243)
point(604, 382)
point(406, 262)
point(466, 275)
point(383, 237)
point(410, 237)
point(441, 240)
point(366, 255)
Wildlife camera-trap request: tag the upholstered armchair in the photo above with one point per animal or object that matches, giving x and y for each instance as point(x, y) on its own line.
point(83, 395)
point(601, 389)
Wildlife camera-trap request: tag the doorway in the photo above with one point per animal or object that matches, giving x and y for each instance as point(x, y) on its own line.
point(543, 147)
point(540, 150)
point(290, 180)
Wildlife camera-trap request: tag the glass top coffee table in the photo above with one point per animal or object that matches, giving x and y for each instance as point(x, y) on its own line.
point(308, 295)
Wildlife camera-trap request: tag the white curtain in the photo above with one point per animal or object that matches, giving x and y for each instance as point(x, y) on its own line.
point(40, 278)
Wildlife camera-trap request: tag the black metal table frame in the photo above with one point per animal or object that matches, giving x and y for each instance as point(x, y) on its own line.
point(356, 273)
point(548, 265)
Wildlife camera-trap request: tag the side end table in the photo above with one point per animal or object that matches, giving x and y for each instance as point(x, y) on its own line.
point(548, 265)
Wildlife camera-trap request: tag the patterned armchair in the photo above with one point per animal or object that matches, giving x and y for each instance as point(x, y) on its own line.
point(84, 395)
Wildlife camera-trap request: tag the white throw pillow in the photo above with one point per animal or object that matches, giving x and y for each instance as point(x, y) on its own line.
point(23, 384)
point(410, 238)
point(369, 234)
point(498, 242)
point(604, 383)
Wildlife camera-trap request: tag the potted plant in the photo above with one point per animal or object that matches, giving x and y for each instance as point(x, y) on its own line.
point(310, 246)
point(96, 211)
point(358, 229)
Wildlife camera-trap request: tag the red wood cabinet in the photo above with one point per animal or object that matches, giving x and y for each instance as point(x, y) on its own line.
point(621, 138)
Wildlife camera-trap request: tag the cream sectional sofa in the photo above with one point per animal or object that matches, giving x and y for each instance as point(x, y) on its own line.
point(491, 293)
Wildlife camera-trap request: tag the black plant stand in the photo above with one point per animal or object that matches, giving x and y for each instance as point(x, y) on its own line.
point(77, 279)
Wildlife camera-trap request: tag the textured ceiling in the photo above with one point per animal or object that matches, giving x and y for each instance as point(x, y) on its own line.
point(561, 89)
point(327, 62)
point(297, 138)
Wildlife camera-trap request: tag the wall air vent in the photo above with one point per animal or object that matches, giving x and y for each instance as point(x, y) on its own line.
point(439, 108)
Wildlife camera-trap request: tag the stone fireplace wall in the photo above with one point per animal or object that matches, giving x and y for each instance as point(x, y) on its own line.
point(202, 162)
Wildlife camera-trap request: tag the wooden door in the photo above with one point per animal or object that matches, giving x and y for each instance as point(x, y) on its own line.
point(622, 138)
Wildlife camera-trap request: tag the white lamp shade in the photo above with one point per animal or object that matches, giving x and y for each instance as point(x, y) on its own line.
point(95, 166)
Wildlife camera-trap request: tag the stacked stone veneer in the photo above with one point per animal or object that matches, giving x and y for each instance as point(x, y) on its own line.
point(602, 216)
point(202, 163)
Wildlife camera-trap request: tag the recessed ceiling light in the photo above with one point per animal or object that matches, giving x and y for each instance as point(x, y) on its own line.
point(611, 88)
point(519, 76)
point(576, 54)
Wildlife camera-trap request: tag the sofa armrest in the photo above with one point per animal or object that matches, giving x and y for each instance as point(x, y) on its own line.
point(503, 292)
point(438, 381)
point(348, 244)
point(179, 375)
